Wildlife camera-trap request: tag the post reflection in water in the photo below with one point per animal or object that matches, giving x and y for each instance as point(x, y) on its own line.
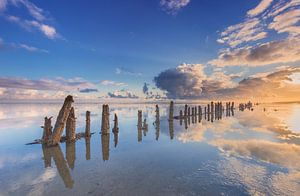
point(157, 122)
point(171, 128)
point(61, 164)
point(70, 154)
point(88, 148)
point(105, 146)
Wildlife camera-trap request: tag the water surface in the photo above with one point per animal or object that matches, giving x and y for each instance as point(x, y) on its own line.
point(251, 153)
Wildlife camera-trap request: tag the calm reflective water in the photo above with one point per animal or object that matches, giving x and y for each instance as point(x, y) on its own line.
point(250, 153)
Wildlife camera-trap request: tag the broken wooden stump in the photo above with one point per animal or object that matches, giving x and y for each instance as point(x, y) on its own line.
point(47, 129)
point(61, 121)
point(105, 119)
point(88, 124)
point(71, 126)
point(116, 124)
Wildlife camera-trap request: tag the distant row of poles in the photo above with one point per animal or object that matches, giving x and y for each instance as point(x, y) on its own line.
point(66, 118)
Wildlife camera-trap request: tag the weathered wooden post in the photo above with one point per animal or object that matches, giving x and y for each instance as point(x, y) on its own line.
point(157, 122)
point(71, 126)
point(61, 121)
point(139, 125)
point(199, 114)
point(180, 114)
point(193, 115)
point(105, 119)
point(171, 111)
point(189, 111)
point(205, 112)
point(212, 107)
point(208, 109)
point(47, 130)
point(88, 124)
point(185, 109)
point(116, 124)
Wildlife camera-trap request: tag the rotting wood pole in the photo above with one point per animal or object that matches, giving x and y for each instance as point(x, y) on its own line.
point(71, 126)
point(105, 119)
point(88, 124)
point(61, 121)
point(171, 111)
point(185, 109)
point(116, 124)
point(47, 130)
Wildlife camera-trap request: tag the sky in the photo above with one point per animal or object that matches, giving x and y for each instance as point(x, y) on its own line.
point(150, 50)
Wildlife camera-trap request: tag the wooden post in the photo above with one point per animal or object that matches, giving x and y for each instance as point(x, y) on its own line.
point(116, 124)
point(189, 111)
point(71, 126)
point(47, 130)
point(61, 121)
point(171, 111)
point(185, 109)
point(157, 122)
point(105, 119)
point(88, 124)
point(139, 125)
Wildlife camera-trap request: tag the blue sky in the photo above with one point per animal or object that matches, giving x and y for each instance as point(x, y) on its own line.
point(126, 42)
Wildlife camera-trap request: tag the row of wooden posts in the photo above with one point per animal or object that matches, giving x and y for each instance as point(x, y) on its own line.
point(67, 119)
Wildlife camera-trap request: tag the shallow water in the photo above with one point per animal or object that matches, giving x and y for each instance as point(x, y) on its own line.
point(251, 153)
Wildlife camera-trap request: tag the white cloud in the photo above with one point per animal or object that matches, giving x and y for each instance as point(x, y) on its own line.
point(36, 13)
point(261, 7)
point(269, 17)
point(112, 83)
point(190, 81)
point(123, 71)
point(250, 30)
point(283, 51)
point(122, 94)
point(32, 48)
point(287, 22)
point(173, 6)
point(3, 4)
